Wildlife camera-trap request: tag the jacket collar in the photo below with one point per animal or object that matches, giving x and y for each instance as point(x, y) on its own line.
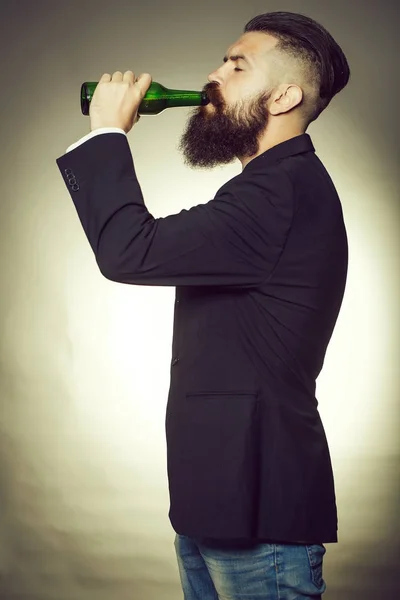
point(296, 145)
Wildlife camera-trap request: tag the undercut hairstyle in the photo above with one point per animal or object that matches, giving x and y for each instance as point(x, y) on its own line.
point(306, 53)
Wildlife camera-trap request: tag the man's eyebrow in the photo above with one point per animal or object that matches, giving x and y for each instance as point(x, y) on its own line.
point(235, 57)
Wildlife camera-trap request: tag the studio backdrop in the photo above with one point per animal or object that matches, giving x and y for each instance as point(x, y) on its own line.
point(85, 362)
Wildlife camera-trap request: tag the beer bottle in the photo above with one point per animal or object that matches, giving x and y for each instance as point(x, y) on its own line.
point(157, 98)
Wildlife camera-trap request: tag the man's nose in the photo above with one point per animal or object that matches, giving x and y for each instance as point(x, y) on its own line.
point(214, 77)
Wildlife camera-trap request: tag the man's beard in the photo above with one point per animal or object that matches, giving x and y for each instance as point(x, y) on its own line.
point(220, 135)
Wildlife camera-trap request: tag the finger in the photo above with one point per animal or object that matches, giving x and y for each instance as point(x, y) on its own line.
point(105, 77)
point(143, 82)
point(117, 76)
point(129, 76)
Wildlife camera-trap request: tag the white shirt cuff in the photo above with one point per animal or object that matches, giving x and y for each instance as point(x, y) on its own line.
point(93, 133)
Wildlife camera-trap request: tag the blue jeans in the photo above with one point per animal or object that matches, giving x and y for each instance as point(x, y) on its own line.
point(259, 572)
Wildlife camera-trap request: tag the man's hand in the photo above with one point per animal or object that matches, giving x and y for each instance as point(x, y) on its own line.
point(116, 100)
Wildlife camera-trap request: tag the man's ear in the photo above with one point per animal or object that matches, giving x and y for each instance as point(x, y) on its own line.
point(285, 97)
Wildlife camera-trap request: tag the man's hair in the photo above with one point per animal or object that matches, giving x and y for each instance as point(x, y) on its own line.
point(306, 51)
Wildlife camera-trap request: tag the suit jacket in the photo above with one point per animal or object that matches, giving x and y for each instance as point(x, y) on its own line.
point(260, 273)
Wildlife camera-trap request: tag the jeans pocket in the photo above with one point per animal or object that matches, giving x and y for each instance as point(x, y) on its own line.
point(315, 553)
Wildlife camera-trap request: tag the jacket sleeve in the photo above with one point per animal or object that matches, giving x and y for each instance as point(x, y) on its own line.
point(235, 239)
point(92, 134)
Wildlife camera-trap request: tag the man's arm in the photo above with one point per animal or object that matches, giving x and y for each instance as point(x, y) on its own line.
point(93, 133)
point(235, 239)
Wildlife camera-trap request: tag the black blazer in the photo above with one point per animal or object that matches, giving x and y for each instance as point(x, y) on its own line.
point(260, 273)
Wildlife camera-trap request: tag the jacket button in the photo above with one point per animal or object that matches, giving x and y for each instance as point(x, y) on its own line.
point(175, 361)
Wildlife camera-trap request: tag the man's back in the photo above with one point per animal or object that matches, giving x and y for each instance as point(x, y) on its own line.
point(305, 291)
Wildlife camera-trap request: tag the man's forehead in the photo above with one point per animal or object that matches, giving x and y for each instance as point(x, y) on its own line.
point(252, 44)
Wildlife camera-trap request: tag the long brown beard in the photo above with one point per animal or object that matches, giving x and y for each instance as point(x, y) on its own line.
point(219, 135)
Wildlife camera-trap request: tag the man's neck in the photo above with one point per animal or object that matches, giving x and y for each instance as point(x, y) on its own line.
point(269, 140)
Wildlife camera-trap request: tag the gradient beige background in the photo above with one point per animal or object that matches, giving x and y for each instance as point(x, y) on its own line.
point(83, 485)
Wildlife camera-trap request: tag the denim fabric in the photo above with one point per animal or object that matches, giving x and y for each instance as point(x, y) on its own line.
point(254, 572)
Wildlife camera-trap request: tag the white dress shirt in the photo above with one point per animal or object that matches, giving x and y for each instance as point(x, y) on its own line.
point(95, 132)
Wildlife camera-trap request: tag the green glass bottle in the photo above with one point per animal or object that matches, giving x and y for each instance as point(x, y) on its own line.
point(157, 98)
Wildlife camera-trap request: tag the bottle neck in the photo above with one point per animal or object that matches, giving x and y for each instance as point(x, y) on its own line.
point(185, 98)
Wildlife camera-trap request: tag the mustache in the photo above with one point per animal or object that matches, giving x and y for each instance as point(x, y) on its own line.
point(213, 93)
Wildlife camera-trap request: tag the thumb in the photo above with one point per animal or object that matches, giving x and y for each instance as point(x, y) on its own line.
point(143, 82)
